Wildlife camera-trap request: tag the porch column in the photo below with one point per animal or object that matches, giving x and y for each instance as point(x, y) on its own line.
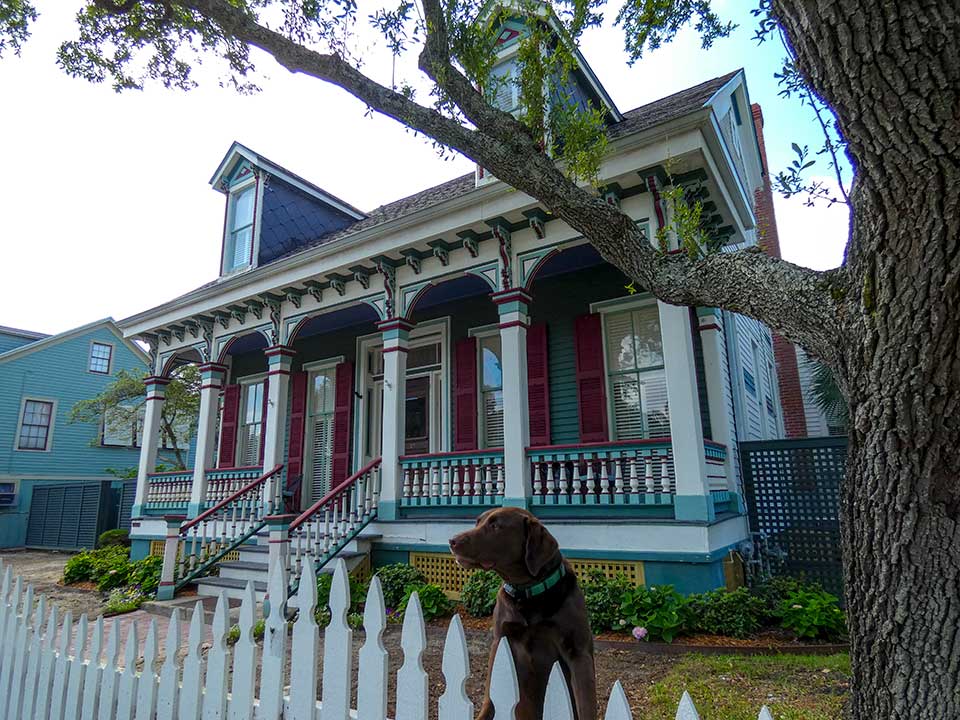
point(514, 319)
point(715, 367)
point(150, 440)
point(279, 359)
point(212, 376)
point(692, 500)
point(396, 337)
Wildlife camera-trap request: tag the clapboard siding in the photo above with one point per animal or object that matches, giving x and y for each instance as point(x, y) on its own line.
point(564, 423)
point(751, 425)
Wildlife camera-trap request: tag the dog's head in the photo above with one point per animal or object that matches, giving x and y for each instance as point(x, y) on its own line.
point(510, 541)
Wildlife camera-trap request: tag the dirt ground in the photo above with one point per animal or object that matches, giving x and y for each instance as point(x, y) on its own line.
point(44, 570)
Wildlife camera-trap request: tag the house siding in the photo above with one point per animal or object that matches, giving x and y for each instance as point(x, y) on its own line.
point(10, 342)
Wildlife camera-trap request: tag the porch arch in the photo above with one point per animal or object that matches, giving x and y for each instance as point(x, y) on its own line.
point(244, 343)
point(187, 356)
point(458, 287)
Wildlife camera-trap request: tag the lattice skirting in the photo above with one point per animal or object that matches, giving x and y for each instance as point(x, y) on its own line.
point(441, 569)
point(156, 549)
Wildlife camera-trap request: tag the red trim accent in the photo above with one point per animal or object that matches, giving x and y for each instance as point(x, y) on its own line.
point(538, 266)
point(711, 443)
point(212, 367)
point(395, 324)
point(279, 350)
point(511, 294)
point(394, 349)
point(277, 372)
point(156, 380)
point(229, 423)
point(155, 397)
point(513, 323)
point(305, 515)
point(165, 584)
point(238, 468)
point(455, 453)
point(538, 384)
point(711, 326)
point(657, 207)
point(591, 379)
point(298, 412)
point(342, 422)
point(229, 499)
point(591, 445)
point(416, 298)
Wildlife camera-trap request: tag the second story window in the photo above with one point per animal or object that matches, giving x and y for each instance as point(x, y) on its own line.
point(238, 248)
point(35, 425)
point(100, 355)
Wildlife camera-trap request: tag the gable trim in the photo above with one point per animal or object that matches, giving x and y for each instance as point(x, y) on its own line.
point(52, 340)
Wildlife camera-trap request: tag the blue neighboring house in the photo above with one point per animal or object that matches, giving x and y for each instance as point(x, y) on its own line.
point(55, 490)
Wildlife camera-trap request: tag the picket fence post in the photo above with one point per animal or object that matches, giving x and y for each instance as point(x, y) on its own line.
point(305, 646)
point(20, 649)
point(374, 662)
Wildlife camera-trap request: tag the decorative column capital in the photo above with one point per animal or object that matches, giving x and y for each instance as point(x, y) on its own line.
point(212, 367)
point(396, 334)
point(709, 318)
point(513, 306)
point(155, 386)
point(174, 522)
point(279, 359)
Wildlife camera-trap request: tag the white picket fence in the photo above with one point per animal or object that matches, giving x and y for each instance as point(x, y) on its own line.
point(42, 678)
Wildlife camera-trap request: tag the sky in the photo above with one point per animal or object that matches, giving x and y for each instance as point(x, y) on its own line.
point(105, 206)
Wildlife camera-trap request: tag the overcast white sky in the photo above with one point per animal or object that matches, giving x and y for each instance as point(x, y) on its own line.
point(105, 208)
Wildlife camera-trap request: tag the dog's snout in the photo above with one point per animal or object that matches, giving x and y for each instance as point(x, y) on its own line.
point(453, 542)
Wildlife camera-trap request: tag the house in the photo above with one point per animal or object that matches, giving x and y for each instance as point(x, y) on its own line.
point(55, 490)
point(386, 376)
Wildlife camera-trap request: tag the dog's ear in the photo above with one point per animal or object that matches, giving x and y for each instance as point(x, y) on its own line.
point(540, 548)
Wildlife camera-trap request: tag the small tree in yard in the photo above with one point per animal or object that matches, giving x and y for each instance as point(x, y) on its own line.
point(120, 408)
point(887, 322)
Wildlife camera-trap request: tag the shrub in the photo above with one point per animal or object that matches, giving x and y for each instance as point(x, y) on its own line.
point(145, 574)
point(114, 537)
point(259, 628)
point(111, 567)
point(358, 596)
point(774, 591)
point(123, 600)
point(394, 580)
point(735, 614)
point(433, 601)
point(479, 593)
point(812, 614)
point(603, 598)
point(663, 611)
point(78, 568)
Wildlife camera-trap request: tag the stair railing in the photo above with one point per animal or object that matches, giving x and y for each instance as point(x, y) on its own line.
point(208, 537)
point(323, 529)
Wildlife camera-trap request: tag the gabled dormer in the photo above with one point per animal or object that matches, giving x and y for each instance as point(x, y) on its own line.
point(270, 211)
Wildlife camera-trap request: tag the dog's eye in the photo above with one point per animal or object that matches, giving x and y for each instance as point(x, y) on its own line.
point(492, 525)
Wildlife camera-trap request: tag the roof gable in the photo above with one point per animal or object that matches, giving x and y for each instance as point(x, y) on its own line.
point(52, 340)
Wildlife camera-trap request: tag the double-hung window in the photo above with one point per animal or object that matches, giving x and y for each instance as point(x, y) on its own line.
point(251, 429)
point(35, 424)
point(491, 390)
point(100, 356)
point(238, 250)
point(635, 373)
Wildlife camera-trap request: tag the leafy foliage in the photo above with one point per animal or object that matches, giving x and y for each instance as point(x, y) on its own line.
point(827, 393)
point(114, 537)
point(145, 574)
point(15, 19)
point(775, 590)
point(479, 594)
point(603, 598)
point(734, 614)
point(107, 567)
point(394, 580)
point(660, 609)
point(123, 600)
point(648, 24)
point(812, 614)
point(433, 600)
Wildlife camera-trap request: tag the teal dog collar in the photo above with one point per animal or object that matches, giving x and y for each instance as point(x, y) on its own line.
point(525, 592)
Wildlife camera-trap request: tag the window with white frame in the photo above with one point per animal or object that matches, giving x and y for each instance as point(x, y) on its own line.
point(635, 373)
point(35, 425)
point(491, 390)
point(238, 247)
point(252, 423)
point(122, 427)
point(100, 356)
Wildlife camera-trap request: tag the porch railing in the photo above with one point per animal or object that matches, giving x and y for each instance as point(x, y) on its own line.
point(634, 472)
point(205, 539)
point(323, 529)
point(223, 482)
point(171, 490)
point(453, 479)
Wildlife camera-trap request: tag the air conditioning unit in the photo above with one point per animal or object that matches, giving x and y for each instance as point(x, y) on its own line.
point(8, 495)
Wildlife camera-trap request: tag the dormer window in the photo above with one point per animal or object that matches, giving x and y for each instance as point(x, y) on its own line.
point(238, 248)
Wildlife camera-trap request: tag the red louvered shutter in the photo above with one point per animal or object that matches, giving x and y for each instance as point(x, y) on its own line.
point(538, 387)
point(465, 391)
point(298, 414)
point(263, 416)
point(228, 426)
point(342, 423)
point(591, 383)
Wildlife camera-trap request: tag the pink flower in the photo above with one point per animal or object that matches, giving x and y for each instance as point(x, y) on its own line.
point(640, 633)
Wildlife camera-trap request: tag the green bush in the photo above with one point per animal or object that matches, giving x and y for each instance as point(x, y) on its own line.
point(734, 614)
point(433, 601)
point(394, 580)
point(774, 591)
point(114, 537)
point(358, 596)
point(78, 568)
point(663, 611)
point(111, 567)
point(603, 598)
point(145, 574)
point(479, 593)
point(812, 614)
point(123, 600)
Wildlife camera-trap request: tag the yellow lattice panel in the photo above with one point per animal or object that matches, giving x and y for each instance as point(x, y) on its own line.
point(441, 569)
point(156, 549)
point(362, 572)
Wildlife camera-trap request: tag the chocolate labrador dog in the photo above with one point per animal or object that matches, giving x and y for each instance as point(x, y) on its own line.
point(540, 609)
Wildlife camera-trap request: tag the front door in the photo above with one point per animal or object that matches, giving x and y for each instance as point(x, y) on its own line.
point(319, 427)
point(418, 420)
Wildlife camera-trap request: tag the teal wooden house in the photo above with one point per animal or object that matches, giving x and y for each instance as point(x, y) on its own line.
point(55, 490)
point(386, 376)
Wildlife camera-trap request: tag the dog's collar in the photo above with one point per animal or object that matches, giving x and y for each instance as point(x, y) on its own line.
point(525, 592)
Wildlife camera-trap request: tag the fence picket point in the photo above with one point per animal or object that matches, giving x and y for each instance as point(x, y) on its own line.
point(7, 636)
point(412, 682)
point(556, 702)
point(189, 704)
point(244, 660)
point(765, 714)
point(454, 703)
point(274, 647)
point(33, 661)
point(77, 667)
point(15, 698)
point(45, 674)
point(127, 685)
point(374, 661)
point(111, 675)
point(147, 684)
point(504, 689)
point(61, 669)
point(215, 690)
point(686, 709)
point(618, 708)
point(305, 645)
point(92, 674)
point(337, 646)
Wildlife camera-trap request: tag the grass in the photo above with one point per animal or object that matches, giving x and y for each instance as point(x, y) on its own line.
point(732, 687)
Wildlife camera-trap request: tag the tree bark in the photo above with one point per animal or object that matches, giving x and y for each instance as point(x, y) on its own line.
point(891, 72)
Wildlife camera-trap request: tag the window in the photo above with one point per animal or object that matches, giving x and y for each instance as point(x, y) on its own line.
point(8, 493)
point(491, 391)
point(100, 355)
point(238, 249)
point(252, 424)
point(35, 425)
point(322, 389)
point(638, 383)
point(503, 89)
point(122, 427)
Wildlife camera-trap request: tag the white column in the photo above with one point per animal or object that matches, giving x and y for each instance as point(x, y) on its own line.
point(150, 440)
point(512, 305)
point(396, 335)
point(275, 431)
point(212, 376)
point(710, 322)
point(692, 500)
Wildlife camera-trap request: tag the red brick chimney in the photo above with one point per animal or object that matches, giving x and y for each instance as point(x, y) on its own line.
point(784, 352)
